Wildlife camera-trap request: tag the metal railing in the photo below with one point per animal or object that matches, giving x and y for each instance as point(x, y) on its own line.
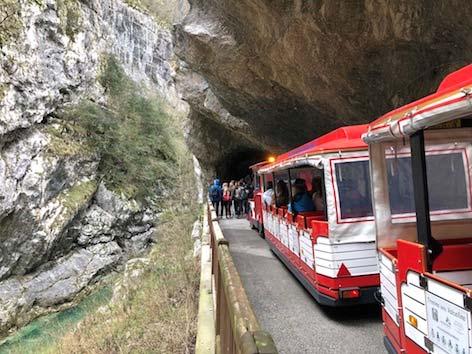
point(236, 329)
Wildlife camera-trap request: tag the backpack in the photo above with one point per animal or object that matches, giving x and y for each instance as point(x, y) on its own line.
point(243, 194)
point(214, 194)
point(227, 196)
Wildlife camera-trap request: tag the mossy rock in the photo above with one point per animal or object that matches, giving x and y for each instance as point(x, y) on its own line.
point(78, 195)
point(161, 10)
point(3, 90)
point(73, 200)
point(10, 21)
point(70, 14)
point(135, 135)
point(67, 140)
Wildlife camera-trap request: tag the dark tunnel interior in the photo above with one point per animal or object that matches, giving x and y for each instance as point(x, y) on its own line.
point(235, 165)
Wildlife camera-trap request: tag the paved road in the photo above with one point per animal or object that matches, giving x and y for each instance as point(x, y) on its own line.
point(285, 309)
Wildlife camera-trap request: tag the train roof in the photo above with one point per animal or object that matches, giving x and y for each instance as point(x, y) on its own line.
point(450, 101)
point(258, 166)
point(341, 139)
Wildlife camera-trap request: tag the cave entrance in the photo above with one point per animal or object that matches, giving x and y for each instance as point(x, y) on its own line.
point(235, 164)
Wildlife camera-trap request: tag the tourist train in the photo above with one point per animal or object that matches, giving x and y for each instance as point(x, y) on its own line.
point(418, 187)
point(330, 249)
point(421, 177)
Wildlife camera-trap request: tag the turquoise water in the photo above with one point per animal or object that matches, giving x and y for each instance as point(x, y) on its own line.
point(46, 330)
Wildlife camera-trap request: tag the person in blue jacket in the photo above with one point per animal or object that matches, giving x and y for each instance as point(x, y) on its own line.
point(301, 200)
point(215, 193)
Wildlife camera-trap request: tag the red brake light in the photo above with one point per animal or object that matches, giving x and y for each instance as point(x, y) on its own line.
point(350, 293)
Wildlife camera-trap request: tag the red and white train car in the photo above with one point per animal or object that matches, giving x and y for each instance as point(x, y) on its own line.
point(421, 158)
point(331, 251)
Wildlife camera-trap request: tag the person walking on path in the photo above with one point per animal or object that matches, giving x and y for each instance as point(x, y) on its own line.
point(215, 192)
point(244, 195)
point(232, 188)
point(227, 200)
point(238, 199)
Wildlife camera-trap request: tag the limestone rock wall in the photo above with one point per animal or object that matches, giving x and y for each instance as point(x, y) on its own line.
point(274, 74)
point(60, 228)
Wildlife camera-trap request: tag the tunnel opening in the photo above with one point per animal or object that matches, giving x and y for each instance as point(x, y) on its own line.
point(235, 165)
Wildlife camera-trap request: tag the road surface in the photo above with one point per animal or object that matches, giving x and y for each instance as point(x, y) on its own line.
point(287, 311)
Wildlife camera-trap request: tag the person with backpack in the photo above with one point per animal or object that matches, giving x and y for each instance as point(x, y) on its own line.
point(238, 199)
point(244, 194)
point(227, 200)
point(215, 193)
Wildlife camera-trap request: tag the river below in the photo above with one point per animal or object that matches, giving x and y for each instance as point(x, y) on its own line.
point(46, 331)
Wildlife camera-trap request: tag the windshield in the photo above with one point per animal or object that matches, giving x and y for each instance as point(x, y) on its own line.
point(448, 170)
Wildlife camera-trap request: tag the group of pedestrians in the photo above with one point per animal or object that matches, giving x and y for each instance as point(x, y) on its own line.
point(230, 199)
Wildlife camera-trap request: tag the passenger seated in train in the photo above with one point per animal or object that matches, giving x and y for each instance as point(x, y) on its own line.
point(317, 193)
point(302, 201)
point(268, 195)
point(281, 194)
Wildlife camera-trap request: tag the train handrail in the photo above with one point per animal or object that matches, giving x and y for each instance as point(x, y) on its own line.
point(236, 328)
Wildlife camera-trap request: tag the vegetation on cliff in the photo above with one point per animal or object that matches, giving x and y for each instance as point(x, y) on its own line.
point(157, 317)
point(10, 20)
point(142, 149)
point(135, 135)
point(163, 11)
point(158, 314)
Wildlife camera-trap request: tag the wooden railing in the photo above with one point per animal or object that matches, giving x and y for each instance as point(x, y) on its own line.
point(235, 328)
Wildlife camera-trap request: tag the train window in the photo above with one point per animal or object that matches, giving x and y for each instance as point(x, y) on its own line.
point(281, 188)
point(256, 181)
point(447, 183)
point(314, 181)
point(353, 185)
point(308, 174)
point(266, 179)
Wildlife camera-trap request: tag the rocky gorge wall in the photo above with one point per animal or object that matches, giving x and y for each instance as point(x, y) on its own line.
point(61, 228)
point(258, 76)
point(266, 75)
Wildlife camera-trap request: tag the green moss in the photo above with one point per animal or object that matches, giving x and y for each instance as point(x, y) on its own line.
point(73, 200)
point(135, 135)
point(10, 21)
point(162, 11)
point(78, 195)
point(3, 90)
point(71, 17)
point(67, 140)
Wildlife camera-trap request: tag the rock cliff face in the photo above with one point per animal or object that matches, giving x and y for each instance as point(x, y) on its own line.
point(259, 76)
point(269, 75)
point(60, 228)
